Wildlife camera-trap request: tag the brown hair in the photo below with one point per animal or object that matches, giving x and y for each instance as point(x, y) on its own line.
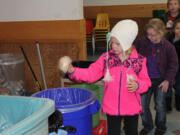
point(129, 51)
point(157, 25)
point(171, 0)
point(175, 23)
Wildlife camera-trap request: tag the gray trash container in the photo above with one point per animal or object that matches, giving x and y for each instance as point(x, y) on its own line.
point(12, 75)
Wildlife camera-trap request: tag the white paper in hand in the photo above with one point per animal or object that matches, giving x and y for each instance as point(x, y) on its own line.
point(64, 63)
point(129, 77)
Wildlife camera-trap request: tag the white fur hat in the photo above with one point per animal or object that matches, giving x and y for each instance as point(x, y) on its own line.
point(125, 32)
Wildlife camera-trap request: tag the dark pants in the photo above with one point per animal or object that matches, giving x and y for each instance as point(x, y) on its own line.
point(169, 92)
point(176, 87)
point(130, 125)
point(169, 99)
point(177, 84)
point(177, 94)
point(160, 107)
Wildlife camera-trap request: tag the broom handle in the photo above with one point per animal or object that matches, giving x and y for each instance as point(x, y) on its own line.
point(29, 65)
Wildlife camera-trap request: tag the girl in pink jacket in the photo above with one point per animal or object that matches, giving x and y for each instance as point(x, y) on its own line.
point(125, 77)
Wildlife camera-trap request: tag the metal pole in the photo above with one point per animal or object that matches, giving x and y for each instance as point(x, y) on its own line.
point(41, 65)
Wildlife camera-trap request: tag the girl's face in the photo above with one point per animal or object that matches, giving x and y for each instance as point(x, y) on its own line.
point(154, 36)
point(177, 29)
point(116, 46)
point(173, 6)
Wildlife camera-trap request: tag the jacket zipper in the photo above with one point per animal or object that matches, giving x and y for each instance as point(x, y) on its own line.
point(119, 93)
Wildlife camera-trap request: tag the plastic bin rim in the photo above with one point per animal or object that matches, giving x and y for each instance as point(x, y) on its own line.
point(73, 107)
point(11, 58)
point(12, 62)
point(35, 118)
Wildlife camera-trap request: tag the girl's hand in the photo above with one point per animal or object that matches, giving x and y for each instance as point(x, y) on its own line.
point(70, 68)
point(164, 85)
point(132, 86)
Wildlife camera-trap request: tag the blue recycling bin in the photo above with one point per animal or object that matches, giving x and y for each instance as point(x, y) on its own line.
point(76, 105)
point(24, 115)
point(96, 90)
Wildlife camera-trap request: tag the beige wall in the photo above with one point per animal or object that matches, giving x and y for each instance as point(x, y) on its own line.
point(33, 10)
point(59, 27)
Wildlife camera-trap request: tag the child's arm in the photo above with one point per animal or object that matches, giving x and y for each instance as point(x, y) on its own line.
point(91, 74)
point(143, 79)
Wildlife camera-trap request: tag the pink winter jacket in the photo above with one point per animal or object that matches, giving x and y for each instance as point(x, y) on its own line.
point(117, 100)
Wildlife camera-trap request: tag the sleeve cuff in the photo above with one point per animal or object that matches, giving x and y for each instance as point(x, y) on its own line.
point(138, 85)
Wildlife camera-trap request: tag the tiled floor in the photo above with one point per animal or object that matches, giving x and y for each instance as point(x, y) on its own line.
point(173, 120)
